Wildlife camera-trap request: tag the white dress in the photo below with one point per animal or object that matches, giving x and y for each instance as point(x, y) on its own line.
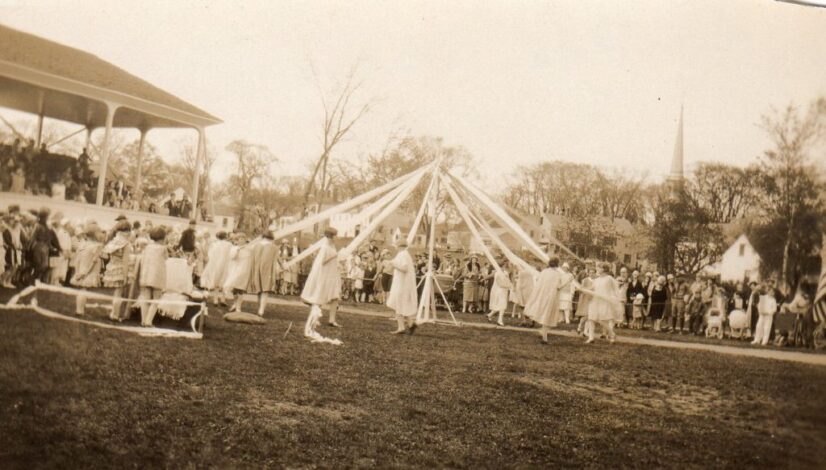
point(403, 298)
point(240, 267)
point(565, 290)
point(217, 266)
point(153, 266)
point(605, 304)
point(524, 286)
point(543, 304)
point(499, 292)
point(324, 281)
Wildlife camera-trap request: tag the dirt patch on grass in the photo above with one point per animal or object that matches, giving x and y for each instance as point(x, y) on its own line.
point(683, 399)
point(287, 413)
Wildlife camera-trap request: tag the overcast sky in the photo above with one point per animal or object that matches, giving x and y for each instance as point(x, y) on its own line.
point(515, 82)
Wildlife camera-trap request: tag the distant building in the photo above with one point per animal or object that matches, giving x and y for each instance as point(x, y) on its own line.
point(224, 216)
point(740, 262)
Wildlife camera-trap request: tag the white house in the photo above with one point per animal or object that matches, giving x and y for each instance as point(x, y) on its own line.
point(740, 261)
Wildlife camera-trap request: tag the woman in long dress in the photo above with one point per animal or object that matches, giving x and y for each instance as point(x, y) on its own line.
point(215, 272)
point(323, 286)
point(238, 274)
point(264, 269)
point(566, 293)
point(543, 305)
point(485, 284)
point(522, 291)
point(657, 300)
point(584, 301)
point(499, 293)
point(470, 282)
point(605, 306)
point(402, 297)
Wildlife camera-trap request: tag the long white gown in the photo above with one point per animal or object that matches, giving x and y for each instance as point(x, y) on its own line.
point(566, 293)
point(324, 281)
point(543, 304)
point(238, 275)
point(403, 298)
point(606, 303)
point(499, 292)
point(217, 265)
point(524, 286)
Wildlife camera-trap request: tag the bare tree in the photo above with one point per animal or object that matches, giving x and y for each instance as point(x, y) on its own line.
point(341, 113)
point(189, 164)
point(725, 191)
point(789, 183)
point(252, 164)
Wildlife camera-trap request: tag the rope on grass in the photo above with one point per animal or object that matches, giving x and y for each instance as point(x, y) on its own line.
point(14, 304)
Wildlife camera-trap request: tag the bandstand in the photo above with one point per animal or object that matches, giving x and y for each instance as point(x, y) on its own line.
point(51, 80)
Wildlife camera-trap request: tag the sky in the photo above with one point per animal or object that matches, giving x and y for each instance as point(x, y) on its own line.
point(514, 82)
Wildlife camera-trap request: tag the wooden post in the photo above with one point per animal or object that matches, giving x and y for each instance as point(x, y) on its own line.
point(41, 100)
point(138, 192)
point(196, 180)
point(104, 153)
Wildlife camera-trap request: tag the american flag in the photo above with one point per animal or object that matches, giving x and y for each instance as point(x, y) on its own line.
point(819, 306)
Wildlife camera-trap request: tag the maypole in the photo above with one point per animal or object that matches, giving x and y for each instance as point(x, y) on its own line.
point(427, 300)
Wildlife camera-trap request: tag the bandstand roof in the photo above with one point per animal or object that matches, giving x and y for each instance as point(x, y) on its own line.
point(76, 84)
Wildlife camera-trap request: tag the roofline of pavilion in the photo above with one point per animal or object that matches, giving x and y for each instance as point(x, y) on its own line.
point(103, 95)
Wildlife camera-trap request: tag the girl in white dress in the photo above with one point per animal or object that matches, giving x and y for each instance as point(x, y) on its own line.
point(217, 265)
point(240, 268)
point(605, 306)
point(499, 294)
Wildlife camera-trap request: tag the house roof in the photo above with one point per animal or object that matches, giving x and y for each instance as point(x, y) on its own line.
point(623, 226)
point(72, 78)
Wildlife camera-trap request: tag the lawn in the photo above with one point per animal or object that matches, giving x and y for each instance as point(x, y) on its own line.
point(248, 396)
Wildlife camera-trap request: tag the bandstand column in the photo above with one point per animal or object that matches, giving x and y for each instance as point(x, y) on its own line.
point(196, 180)
point(139, 170)
point(41, 102)
point(104, 151)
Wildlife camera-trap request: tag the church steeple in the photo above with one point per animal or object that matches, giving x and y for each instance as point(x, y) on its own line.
point(676, 175)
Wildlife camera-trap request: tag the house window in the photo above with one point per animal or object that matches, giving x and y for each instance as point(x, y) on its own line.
point(742, 249)
point(626, 259)
point(223, 222)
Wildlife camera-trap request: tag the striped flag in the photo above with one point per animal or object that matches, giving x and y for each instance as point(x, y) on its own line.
point(819, 306)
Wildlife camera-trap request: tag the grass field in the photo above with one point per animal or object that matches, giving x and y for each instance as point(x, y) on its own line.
point(247, 396)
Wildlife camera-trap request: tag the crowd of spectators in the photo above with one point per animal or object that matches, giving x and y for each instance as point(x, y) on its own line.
point(48, 247)
point(25, 169)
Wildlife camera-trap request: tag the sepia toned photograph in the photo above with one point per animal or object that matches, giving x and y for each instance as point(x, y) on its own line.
point(413, 234)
